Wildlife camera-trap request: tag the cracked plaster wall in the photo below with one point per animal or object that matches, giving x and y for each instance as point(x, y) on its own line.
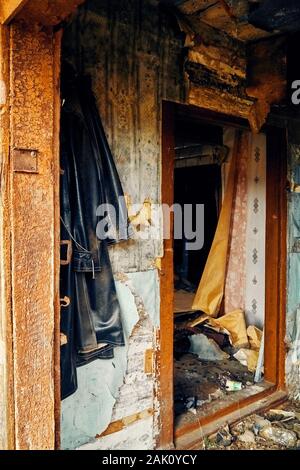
point(134, 58)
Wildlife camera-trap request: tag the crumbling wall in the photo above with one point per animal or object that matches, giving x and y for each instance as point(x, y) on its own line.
point(134, 57)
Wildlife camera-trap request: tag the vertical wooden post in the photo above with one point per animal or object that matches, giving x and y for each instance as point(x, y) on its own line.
point(276, 253)
point(167, 286)
point(34, 128)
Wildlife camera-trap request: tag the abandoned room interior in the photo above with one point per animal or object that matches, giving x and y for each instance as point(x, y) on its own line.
point(206, 360)
point(149, 336)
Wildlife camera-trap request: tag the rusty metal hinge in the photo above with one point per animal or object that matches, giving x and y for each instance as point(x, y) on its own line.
point(25, 160)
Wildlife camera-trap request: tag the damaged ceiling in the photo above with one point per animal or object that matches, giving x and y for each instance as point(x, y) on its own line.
point(236, 53)
point(235, 50)
point(246, 20)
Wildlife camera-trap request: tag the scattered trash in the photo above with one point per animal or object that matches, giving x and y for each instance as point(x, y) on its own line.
point(280, 436)
point(247, 437)
point(233, 386)
point(206, 348)
point(255, 337)
point(224, 437)
point(248, 358)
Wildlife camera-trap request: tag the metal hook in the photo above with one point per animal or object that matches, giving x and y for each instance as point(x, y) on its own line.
point(65, 302)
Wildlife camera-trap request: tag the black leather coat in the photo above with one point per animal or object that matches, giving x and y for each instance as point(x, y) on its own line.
point(88, 179)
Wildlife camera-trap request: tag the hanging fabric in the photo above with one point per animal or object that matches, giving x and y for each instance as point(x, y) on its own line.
point(210, 292)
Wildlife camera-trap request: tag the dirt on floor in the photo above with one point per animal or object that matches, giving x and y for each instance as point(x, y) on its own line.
point(200, 386)
point(277, 429)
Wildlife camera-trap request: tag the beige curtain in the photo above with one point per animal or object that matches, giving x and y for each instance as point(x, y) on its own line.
point(211, 288)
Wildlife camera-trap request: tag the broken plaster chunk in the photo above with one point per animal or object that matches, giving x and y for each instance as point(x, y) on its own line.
point(282, 437)
point(206, 348)
point(247, 437)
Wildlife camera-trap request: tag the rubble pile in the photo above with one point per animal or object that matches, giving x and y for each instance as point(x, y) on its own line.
point(274, 429)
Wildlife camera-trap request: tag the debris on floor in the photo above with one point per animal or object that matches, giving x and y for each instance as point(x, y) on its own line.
point(224, 437)
point(222, 339)
point(274, 429)
point(245, 341)
point(215, 363)
point(247, 437)
point(259, 423)
point(209, 384)
point(233, 385)
point(280, 436)
point(206, 348)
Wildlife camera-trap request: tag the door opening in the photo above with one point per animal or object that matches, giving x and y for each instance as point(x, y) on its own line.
point(220, 361)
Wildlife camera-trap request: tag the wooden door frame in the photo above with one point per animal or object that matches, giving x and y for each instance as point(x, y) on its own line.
point(276, 252)
point(26, 30)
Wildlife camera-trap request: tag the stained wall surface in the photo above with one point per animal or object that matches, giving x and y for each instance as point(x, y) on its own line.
point(134, 56)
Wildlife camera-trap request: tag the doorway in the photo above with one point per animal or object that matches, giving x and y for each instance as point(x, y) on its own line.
point(206, 389)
